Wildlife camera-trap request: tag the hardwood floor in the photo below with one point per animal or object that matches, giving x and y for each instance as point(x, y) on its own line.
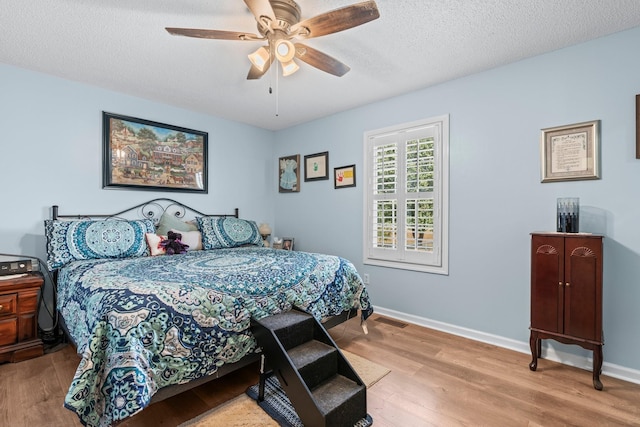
point(436, 379)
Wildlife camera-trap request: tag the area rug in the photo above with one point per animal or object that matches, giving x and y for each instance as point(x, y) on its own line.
point(277, 405)
point(243, 411)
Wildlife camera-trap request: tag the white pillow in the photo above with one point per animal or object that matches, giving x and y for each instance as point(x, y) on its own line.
point(153, 240)
point(191, 238)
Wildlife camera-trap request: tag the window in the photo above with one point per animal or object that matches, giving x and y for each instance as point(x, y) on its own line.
point(406, 204)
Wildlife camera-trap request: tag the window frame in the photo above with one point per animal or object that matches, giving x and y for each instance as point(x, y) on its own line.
point(438, 261)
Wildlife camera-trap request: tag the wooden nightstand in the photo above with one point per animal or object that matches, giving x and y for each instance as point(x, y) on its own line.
point(19, 317)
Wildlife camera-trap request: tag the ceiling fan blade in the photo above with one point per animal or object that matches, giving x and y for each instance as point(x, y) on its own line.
point(261, 8)
point(320, 60)
point(212, 34)
point(255, 73)
point(337, 20)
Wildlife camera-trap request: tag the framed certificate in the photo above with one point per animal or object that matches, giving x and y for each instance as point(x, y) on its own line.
point(570, 152)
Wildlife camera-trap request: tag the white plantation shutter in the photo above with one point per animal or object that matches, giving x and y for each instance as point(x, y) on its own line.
point(406, 196)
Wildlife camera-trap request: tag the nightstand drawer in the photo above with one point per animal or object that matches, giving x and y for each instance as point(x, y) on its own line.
point(8, 331)
point(8, 304)
point(28, 301)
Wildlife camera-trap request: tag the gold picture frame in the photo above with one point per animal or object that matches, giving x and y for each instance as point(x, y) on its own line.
point(570, 152)
point(637, 126)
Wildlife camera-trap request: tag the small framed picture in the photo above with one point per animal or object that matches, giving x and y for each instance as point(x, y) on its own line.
point(316, 166)
point(289, 174)
point(344, 176)
point(287, 243)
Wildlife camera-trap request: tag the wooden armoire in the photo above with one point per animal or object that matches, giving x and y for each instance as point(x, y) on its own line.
point(566, 294)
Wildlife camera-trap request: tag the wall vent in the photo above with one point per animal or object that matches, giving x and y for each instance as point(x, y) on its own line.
point(392, 322)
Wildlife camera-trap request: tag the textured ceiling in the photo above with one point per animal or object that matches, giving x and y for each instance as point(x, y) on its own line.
point(122, 46)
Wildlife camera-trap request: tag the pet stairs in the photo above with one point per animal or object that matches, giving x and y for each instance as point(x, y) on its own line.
point(318, 380)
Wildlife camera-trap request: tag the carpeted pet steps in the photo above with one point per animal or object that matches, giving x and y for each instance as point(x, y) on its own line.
point(316, 377)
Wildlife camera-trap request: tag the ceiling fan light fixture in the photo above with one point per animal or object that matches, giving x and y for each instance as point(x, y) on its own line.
point(289, 68)
point(285, 51)
point(279, 22)
point(260, 58)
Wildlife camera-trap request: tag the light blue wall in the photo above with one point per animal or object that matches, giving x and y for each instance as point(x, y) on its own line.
point(495, 191)
point(51, 154)
point(51, 151)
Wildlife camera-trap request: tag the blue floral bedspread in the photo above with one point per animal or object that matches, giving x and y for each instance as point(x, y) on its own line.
point(141, 324)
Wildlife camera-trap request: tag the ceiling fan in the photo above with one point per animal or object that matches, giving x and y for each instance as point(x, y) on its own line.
point(279, 23)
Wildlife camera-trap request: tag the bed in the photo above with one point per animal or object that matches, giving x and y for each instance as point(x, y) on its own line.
point(148, 325)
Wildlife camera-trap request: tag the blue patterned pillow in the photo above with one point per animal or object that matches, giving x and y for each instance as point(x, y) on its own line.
point(228, 232)
point(74, 240)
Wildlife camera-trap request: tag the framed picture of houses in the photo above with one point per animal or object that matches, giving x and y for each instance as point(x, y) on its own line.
point(141, 154)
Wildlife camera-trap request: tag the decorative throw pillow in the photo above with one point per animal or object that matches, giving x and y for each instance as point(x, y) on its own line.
point(74, 240)
point(191, 238)
point(153, 241)
point(228, 232)
point(168, 221)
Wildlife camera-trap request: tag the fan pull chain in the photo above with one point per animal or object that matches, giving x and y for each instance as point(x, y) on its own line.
point(274, 64)
point(270, 71)
point(277, 92)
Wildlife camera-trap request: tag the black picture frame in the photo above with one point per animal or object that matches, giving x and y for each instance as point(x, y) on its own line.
point(141, 154)
point(316, 166)
point(344, 176)
point(289, 174)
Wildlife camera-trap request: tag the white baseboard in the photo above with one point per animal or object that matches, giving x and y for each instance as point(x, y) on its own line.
point(549, 353)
